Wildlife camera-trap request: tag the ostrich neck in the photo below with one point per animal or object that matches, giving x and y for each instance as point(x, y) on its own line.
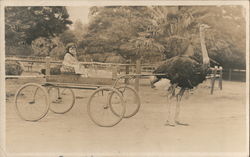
point(205, 57)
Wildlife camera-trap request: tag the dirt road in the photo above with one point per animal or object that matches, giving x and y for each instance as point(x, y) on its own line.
point(217, 124)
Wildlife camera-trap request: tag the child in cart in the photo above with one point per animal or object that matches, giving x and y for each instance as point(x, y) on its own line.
point(70, 63)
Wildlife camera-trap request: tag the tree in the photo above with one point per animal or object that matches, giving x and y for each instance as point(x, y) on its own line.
point(226, 40)
point(79, 30)
point(48, 47)
point(133, 32)
point(120, 30)
point(25, 24)
point(68, 37)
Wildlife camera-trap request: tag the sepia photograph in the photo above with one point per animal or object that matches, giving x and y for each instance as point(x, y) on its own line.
point(143, 78)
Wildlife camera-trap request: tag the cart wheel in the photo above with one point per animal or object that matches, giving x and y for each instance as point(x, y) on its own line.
point(32, 102)
point(99, 107)
point(61, 99)
point(131, 100)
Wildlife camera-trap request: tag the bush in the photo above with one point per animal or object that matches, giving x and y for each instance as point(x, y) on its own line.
point(13, 68)
point(53, 70)
point(114, 59)
point(21, 50)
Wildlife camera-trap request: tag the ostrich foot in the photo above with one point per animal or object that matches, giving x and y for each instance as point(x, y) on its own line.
point(152, 84)
point(181, 123)
point(169, 124)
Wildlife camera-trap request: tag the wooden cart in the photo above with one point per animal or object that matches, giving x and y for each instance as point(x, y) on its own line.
point(110, 102)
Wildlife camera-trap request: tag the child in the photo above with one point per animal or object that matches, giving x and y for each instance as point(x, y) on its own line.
point(70, 63)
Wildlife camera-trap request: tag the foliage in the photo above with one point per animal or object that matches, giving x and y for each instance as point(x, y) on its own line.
point(79, 30)
point(24, 24)
point(24, 50)
point(48, 47)
point(68, 37)
point(58, 51)
point(226, 40)
point(53, 70)
point(13, 68)
point(34, 27)
point(118, 29)
point(42, 46)
point(133, 32)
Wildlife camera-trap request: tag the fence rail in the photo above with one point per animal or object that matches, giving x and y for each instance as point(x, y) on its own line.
point(28, 62)
point(138, 70)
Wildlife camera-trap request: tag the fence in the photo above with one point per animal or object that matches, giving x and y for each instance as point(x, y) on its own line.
point(30, 62)
point(138, 68)
point(33, 64)
point(234, 75)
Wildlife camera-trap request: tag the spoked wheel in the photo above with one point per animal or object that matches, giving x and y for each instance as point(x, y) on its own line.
point(131, 100)
point(61, 99)
point(99, 107)
point(32, 102)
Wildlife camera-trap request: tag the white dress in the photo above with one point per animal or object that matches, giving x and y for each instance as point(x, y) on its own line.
point(70, 64)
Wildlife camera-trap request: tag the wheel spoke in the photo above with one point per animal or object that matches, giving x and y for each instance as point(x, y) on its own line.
point(31, 102)
point(100, 100)
point(62, 99)
point(131, 101)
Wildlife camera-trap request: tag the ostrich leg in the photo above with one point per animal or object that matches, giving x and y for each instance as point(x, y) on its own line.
point(178, 107)
point(170, 94)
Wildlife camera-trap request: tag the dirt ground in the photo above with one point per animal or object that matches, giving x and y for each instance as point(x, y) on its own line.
point(217, 124)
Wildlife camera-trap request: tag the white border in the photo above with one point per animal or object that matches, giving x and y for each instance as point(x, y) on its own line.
point(247, 76)
point(118, 2)
point(113, 3)
point(152, 154)
point(2, 80)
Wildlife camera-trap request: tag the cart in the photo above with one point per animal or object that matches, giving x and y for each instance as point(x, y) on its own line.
point(110, 102)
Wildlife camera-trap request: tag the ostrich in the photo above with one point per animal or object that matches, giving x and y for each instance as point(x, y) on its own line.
point(185, 72)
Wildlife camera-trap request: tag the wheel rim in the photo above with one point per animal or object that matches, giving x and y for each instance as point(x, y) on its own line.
point(99, 108)
point(131, 100)
point(32, 102)
point(61, 99)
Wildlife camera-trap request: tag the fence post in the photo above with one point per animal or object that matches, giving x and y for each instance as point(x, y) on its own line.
point(230, 75)
point(127, 72)
point(114, 72)
point(220, 79)
point(138, 71)
point(213, 80)
point(47, 66)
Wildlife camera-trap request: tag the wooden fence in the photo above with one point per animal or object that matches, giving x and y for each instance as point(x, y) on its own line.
point(30, 62)
point(138, 68)
point(234, 75)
